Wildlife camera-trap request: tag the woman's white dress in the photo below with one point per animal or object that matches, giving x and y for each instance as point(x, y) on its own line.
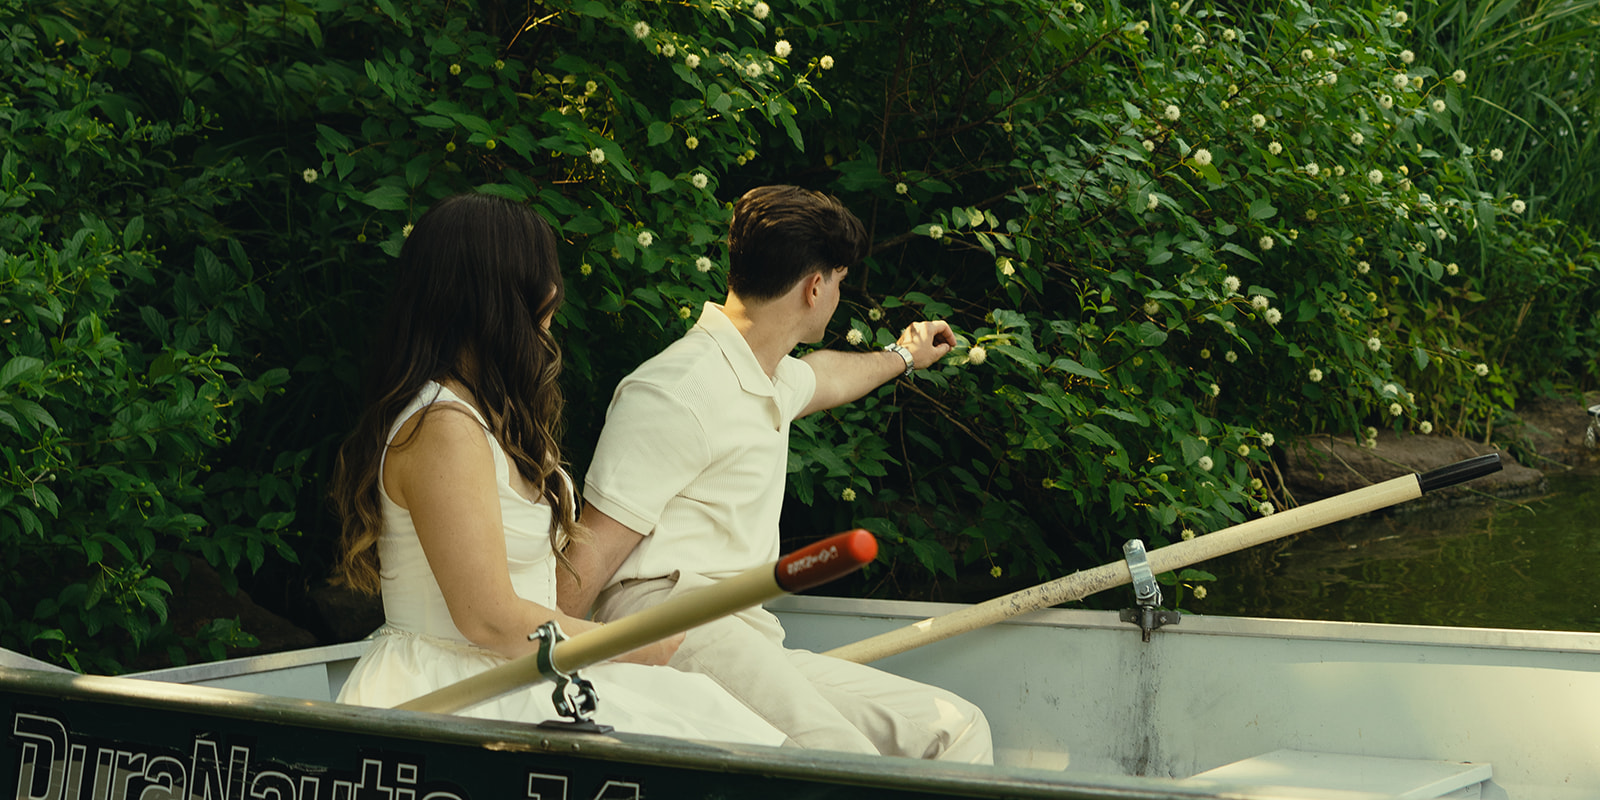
point(419, 648)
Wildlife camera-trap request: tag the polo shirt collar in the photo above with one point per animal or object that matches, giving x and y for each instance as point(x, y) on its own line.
point(752, 378)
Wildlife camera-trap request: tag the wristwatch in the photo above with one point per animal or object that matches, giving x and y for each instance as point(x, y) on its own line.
point(900, 350)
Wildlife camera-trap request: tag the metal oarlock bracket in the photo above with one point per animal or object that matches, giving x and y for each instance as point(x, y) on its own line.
point(1148, 614)
point(574, 697)
point(1593, 433)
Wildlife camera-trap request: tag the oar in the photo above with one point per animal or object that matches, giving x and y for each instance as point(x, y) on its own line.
point(810, 566)
point(1248, 534)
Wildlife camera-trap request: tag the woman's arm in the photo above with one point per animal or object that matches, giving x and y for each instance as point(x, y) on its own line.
point(444, 477)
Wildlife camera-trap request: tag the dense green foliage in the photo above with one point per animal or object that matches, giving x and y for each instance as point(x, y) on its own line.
point(1173, 238)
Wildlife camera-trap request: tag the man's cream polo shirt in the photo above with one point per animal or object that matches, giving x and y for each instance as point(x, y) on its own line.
point(695, 452)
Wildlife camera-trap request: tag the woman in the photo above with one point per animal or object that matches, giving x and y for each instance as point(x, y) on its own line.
point(451, 493)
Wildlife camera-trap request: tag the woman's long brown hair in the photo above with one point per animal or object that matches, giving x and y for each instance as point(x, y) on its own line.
point(475, 281)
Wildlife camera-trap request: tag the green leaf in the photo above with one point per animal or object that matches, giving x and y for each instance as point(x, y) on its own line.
point(387, 198)
point(18, 368)
point(658, 132)
point(1261, 208)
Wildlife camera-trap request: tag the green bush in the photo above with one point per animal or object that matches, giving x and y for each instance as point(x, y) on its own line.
point(1174, 238)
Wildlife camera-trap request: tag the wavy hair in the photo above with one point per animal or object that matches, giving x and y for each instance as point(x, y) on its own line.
point(476, 279)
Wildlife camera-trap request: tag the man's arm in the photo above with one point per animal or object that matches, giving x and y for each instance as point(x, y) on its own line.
point(845, 377)
point(594, 560)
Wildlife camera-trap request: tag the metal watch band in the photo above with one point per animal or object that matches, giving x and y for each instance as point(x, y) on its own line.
point(900, 350)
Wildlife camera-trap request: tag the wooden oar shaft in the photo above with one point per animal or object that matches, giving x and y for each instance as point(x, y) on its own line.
point(1177, 556)
point(810, 566)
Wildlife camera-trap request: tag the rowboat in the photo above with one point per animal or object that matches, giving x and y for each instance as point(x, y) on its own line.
point(1083, 704)
point(1080, 705)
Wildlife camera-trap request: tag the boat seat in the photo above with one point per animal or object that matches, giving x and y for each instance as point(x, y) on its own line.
point(1397, 777)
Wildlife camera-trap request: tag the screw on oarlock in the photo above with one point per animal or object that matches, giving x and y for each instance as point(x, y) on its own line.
point(1147, 613)
point(574, 697)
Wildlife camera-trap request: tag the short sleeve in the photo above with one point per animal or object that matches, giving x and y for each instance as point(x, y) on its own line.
point(797, 384)
point(651, 447)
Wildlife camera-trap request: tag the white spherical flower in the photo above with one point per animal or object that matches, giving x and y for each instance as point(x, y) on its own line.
point(848, 495)
point(1416, 82)
point(782, 48)
point(1187, 533)
point(597, 155)
point(1308, 54)
point(1390, 388)
point(1202, 157)
point(1459, 76)
point(935, 231)
point(761, 10)
point(1267, 242)
point(854, 336)
point(901, 188)
point(1259, 302)
point(691, 61)
point(1330, 78)
point(1338, 170)
point(1274, 316)
point(1216, 390)
point(1151, 307)
point(1357, 139)
point(703, 264)
point(1344, 199)
point(1149, 146)
point(1204, 463)
point(1401, 18)
point(1406, 56)
point(1314, 375)
point(691, 142)
point(1451, 268)
point(1496, 154)
point(1395, 410)
point(875, 314)
point(1275, 148)
point(1386, 101)
point(977, 354)
point(1438, 106)
point(1481, 369)
point(1243, 451)
point(1362, 267)
point(1266, 509)
point(1258, 120)
point(826, 62)
point(753, 70)
point(1374, 344)
point(669, 50)
point(1230, 356)
point(1401, 81)
point(309, 175)
point(646, 238)
point(1152, 202)
point(406, 231)
point(1313, 169)
point(1517, 206)
point(699, 180)
point(1199, 592)
point(1077, 7)
point(1375, 176)
point(1231, 34)
point(1172, 113)
point(1230, 284)
point(641, 29)
point(1425, 427)
point(1267, 439)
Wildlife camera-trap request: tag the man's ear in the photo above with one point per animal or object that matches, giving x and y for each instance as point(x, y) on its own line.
point(811, 288)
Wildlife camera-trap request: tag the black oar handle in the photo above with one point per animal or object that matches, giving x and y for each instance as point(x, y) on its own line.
point(1459, 472)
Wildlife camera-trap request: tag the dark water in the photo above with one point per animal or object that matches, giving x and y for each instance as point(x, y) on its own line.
point(1529, 562)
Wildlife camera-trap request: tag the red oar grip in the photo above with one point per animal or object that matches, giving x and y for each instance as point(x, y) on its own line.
point(833, 557)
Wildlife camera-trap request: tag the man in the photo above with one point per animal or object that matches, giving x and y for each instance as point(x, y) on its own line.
point(687, 482)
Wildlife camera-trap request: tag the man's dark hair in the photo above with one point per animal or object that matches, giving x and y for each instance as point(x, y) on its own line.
point(782, 234)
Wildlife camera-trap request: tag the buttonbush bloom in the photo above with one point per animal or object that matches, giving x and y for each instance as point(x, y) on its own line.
point(1314, 375)
point(1266, 509)
point(1149, 146)
point(1496, 154)
point(977, 354)
point(1172, 113)
point(1230, 284)
point(669, 50)
point(646, 238)
point(1313, 169)
point(406, 231)
point(1406, 56)
point(1275, 148)
point(309, 175)
point(1259, 302)
point(1451, 268)
point(1244, 450)
point(1438, 106)
point(1199, 592)
point(1401, 18)
point(1202, 157)
point(699, 180)
point(1230, 356)
point(691, 61)
point(703, 264)
point(1267, 439)
point(761, 10)
point(1204, 463)
point(1375, 176)
point(641, 29)
point(1459, 76)
point(1274, 316)
point(854, 336)
point(597, 155)
point(1374, 344)
point(1216, 391)
point(1425, 427)
point(826, 62)
point(1258, 120)
point(782, 48)
point(1386, 101)
point(901, 188)
point(875, 314)
point(1517, 206)
point(1266, 242)
point(691, 142)
point(1481, 369)
point(849, 494)
point(935, 231)
point(1357, 139)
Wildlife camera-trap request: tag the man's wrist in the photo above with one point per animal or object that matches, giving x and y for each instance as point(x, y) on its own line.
point(901, 351)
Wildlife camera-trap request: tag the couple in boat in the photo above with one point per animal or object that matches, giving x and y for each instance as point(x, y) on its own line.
point(455, 506)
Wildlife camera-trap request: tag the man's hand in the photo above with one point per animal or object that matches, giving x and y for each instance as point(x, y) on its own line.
point(927, 341)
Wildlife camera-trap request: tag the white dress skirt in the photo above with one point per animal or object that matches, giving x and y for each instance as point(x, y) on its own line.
point(419, 648)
